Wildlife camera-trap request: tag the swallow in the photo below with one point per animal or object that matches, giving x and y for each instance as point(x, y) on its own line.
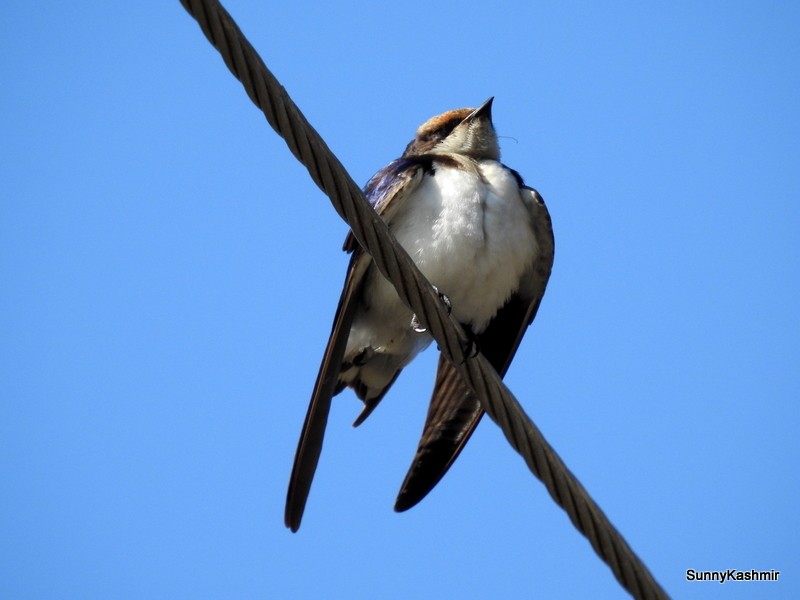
point(484, 239)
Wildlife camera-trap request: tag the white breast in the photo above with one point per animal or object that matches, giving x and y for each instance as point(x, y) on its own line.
point(470, 234)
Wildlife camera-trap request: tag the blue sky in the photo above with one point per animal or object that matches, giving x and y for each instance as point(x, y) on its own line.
point(169, 275)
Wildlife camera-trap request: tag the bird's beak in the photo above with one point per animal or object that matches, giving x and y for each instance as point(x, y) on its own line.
point(484, 111)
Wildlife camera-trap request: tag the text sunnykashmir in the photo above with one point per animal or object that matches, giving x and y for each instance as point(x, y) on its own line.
point(732, 575)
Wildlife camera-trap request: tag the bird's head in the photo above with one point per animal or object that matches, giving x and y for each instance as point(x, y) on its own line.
point(464, 131)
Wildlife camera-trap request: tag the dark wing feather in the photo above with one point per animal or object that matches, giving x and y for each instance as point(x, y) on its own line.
point(454, 411)
point(386, 191)
point(327, 385)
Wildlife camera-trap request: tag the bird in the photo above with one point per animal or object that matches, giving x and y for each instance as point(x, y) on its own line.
point(484, 240)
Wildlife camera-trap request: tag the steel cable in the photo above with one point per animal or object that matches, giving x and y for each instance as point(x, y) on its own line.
point(371, 232)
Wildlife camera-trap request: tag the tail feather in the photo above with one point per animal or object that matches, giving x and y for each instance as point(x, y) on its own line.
point(327, 385)
point(453, 415)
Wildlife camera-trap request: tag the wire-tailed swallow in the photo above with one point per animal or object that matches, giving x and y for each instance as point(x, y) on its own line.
point(484, 239)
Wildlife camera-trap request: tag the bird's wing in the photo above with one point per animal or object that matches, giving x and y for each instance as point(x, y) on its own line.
point(310, 445)
point(386, 191)
point(454, 410)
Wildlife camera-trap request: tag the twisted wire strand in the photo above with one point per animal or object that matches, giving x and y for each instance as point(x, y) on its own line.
point(371, 232)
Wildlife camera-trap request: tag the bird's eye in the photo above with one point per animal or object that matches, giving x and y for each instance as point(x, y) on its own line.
point(449, 126)
point(443, 130)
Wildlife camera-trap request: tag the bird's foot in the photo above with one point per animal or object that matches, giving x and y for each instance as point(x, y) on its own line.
point(472, 347)
point(417, 325)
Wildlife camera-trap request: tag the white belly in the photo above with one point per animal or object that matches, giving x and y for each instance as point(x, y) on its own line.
point(470, 234)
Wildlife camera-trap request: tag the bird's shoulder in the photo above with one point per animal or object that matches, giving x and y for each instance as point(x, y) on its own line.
point(389, 187)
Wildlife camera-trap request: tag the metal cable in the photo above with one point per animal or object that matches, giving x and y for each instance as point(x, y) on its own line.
point(390, 258)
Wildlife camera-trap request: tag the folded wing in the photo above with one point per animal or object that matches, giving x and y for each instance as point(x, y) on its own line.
point(454, 411)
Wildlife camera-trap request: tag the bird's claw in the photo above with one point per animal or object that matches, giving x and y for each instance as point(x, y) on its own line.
point(472, 347)
point(445, 300)
point(417, 325)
